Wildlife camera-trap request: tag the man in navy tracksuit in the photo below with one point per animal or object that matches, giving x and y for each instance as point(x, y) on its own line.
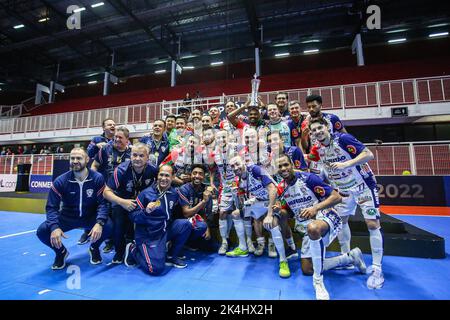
point(196, 206)
point(122, 188)
point(153, 230)
point(76, 201)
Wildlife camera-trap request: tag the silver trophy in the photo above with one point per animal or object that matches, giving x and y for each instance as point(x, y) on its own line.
point(255, 86)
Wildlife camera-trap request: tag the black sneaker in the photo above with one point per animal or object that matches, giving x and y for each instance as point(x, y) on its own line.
point(96, 258)
point(129, 259)
point(84, 238)
point(109, 246)
point(60, 260)
point(118, 258)
point(176, 262)
point(291, 254)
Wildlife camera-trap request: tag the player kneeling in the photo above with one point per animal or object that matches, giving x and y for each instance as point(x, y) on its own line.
point(310, 200)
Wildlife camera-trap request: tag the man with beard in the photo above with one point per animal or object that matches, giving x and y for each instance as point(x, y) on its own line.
point(157, 143)
point(281, 100)
point(179, 134)
point(206, 122)
point(345, 162)
point(215, 114)
point(294, 123)
point(314, 105)
point(305, 197)
point(153, 228)
point(109, 128)
point(276, 123)
point(128, 180)
point(196, 205)
point(76, 201)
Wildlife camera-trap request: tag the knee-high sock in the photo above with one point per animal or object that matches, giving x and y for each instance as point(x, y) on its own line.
point(261, 240)
point(376, 244)
point(248, 228)
point(278, 241)
point(338, 261)
point(344, 237)
point(290, 242)
point(239, 226)
point(229, 224)
point(317, 255)
point(223, 228)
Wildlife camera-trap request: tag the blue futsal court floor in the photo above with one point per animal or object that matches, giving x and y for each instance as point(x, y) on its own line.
point(25, 272)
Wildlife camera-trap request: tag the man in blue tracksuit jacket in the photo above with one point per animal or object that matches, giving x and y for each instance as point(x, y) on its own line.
point(76, 201)
point(97, 142)
point(153, 230)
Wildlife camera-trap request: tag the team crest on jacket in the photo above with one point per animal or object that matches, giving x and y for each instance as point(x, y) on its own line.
point(294, 133)
point(338, 125)
point(89, 192)
point(130, 186)
point(319, 190)
point(147, 181)
point(351, 149)
point(171, 205)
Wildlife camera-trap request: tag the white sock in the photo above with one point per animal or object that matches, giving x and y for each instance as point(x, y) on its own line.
point(248, 228)
point(278, 241)
point(344, 237)
point(290, 242)
point(376, 244)
point(270, 240)
point(261, 240)
point(317, 255)
point(229, 224)
point(223, 228)
point(239, 226)
point(338, 261)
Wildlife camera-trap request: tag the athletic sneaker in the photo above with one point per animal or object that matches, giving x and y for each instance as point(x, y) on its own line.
point(176, 262)
point(250, 246)
point(376, 279)
point(291, 254)
point(284, 270)
point(60, 260)
point(84, 238)
point(223, 248)
point(118, 258)
point(358, 260)
point(109, 246)
point(272, 250)
point(237, 252)
point(259, 249)
point(96, 257)
point(321, 291)
point(129, 259)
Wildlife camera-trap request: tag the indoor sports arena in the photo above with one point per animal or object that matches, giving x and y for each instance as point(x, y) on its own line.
point(224, 150)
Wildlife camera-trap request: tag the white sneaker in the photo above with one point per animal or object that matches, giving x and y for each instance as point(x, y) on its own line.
point(272, 250)
point(358, 260)
point(250, 246)
point(376, 279)
point(321, 291)
point(223, 248)
point(260, 249)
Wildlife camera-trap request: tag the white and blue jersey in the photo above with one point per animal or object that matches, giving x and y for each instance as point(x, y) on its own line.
point(255, 185)
point(159, 150)
point(358, 183)
point(153, 225)
point(344, 147)
point(127, 184)
point(109, 158)
point(75, 199)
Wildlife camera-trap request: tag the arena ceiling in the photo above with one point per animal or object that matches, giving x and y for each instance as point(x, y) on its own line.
point(142, 36)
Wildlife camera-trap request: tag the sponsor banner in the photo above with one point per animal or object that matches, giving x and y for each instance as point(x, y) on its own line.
point(40, 183)
point(412, 190)
point(8, 182)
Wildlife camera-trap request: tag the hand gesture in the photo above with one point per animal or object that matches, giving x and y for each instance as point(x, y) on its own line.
point(55, 238)
point(308, 213)
point(128, 204)
point(338, 165)
point(96, 233)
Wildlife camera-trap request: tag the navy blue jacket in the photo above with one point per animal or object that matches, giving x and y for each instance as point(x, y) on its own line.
point(92, 148)
point(190, 197)
point(80, 200)
point(157, 152)
point(125, 185)
point(153, 225)
point(109, 158)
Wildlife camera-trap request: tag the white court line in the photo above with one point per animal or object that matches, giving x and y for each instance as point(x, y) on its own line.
point(17, 234)
point(44, 291)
